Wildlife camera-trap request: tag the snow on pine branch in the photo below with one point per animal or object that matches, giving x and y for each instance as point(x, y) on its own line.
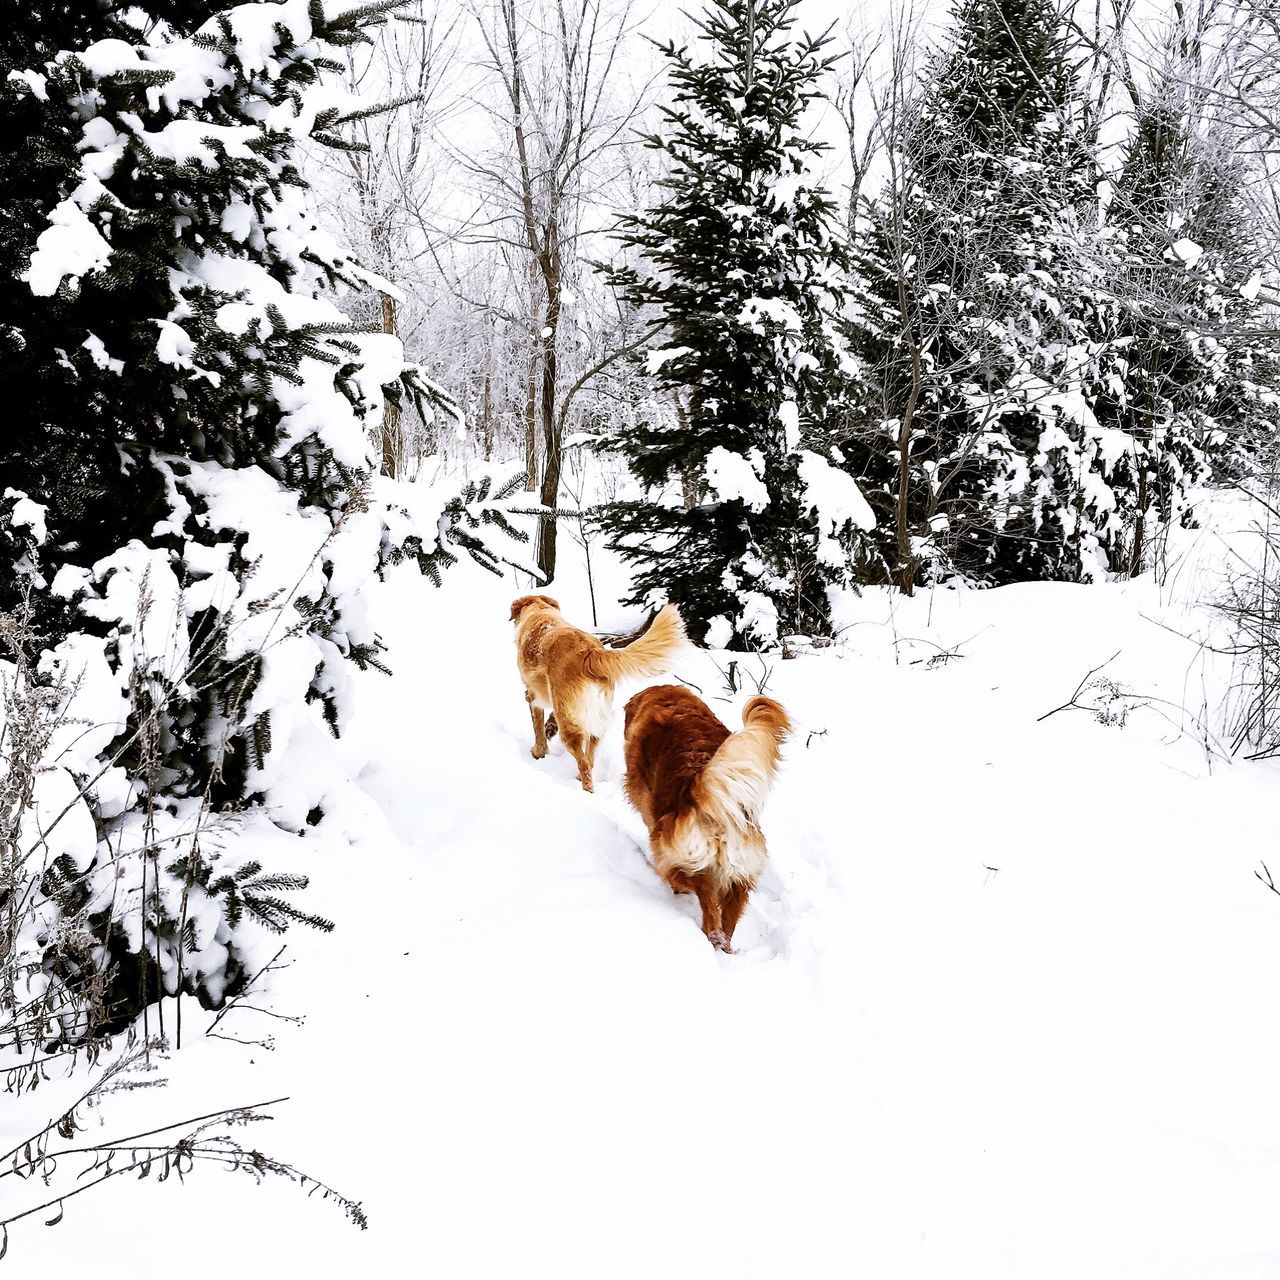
point(204, 628)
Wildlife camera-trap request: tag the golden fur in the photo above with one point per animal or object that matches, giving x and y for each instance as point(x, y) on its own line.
point(700, 790)
point(569, 673)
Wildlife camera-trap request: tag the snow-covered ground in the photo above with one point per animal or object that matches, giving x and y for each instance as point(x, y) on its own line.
point(1006, 1004)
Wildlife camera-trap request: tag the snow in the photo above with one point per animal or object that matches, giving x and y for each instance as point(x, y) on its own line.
point(785, 187)
point(70, 246)
point(719, 632)
point(111, 57)
point(755, 311)
point(733, 477)
point(1187, 252)
point(238, 318)
point(34, 81)
point(789, 417)
point(759, 618)
point(100, 356)
point(834, 497)
point(999, 1007)
point(238, 220)
point(100, 706)
point(1027, 390)
point(175, 345)
point(663, 355)
point(188, 141)
point(28, 515)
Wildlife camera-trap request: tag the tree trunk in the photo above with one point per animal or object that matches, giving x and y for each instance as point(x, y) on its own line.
point(392, 445)
point(486, 409)
point(531, 417)
point(688, 477)
point(550, 494)
point(530, 227)
point(905, 572)
point(1140, 524)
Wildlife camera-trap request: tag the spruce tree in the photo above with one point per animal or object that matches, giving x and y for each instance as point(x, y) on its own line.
point(189, 475)
point(55, 444)
point(746, 521)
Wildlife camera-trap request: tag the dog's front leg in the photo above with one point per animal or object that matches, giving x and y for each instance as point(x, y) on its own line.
point(708, 892)
point(733, 902)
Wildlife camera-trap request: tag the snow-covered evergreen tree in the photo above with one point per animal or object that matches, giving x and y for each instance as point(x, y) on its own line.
point(748, 520)
point(976, 436)
point(54, 444)
point(191, 421)
point(1046, 373)
point(1193, 376)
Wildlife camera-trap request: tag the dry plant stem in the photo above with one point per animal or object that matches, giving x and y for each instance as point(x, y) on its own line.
point(202, 1142)
point(1073, 702)
point(179, 1157)
point(100, 1086)
point(580, 532)
point(269, 967)
point(1266, 878)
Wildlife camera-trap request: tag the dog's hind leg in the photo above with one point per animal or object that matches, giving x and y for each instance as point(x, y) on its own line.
point(578, 745)
point(539, 726)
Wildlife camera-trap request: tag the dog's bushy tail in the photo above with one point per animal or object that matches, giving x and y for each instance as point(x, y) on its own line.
point(649, 655)
point(732, 788)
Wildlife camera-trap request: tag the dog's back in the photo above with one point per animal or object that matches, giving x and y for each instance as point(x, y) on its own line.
point(555, 661)
point(700, 790)
point(568, 672)
point(671, 736)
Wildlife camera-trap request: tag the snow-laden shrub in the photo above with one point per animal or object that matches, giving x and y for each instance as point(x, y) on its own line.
point(1250, 606)
point(198, 590)
point(43, 820)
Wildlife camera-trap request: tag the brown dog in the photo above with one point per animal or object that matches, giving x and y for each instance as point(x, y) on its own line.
point(571, 674)
point(700, 790)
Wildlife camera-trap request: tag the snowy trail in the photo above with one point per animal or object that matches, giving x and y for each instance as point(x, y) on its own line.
point(1004, 1004)
point(915, 1064)
point(632, 1097)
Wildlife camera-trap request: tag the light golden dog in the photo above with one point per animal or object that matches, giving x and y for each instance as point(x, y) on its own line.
point(700, 790)
point(572, 675)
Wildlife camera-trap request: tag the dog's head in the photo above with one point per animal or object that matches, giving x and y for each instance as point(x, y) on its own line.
point(519, 605)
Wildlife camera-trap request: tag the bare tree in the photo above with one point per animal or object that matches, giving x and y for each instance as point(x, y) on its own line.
point(857, 103)
point(551, 68)
point(381, 185)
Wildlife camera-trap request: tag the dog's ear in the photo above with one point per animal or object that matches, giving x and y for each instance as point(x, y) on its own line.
point(521, 603)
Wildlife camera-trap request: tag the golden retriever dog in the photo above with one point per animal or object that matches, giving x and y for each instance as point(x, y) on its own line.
point(572, 675)
point(700, 790)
